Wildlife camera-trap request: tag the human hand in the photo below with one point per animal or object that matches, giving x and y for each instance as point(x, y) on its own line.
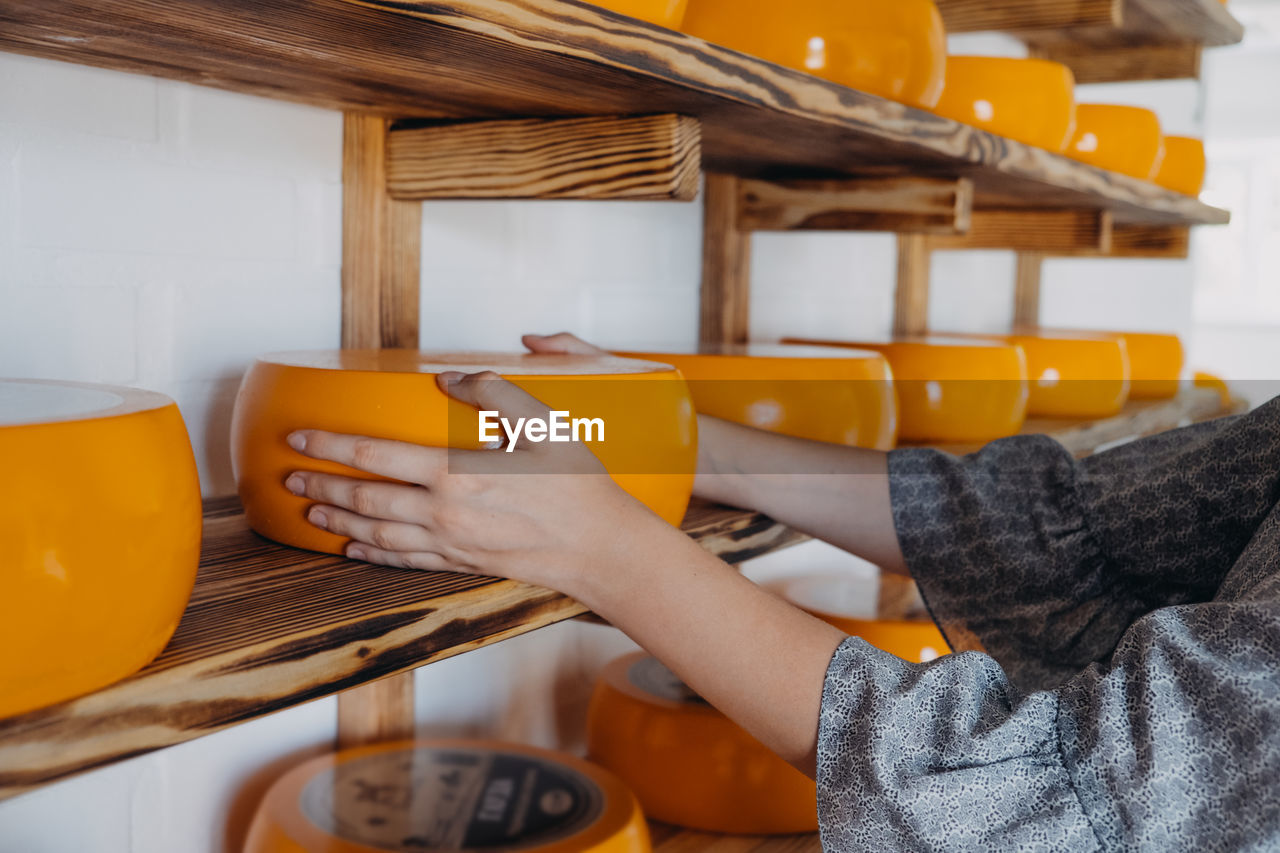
point(545, 513)
point(563, 342)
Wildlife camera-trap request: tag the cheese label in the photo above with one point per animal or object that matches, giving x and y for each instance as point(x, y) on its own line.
point(420, 799)
point(650, 676)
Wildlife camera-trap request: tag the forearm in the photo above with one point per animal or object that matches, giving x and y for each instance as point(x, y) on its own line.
point(835, 493)
point(755, 657)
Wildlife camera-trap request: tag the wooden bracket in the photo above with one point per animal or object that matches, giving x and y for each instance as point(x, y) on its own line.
point(381, 281)
point(911, 297)
point(1169, 242)
point(1048, 231)
point(966, 16)
point(627, 157)
point(1112, 64)
point(919, 205)
point(725, 314)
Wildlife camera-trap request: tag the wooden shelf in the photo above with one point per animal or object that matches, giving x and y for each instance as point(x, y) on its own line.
point(270, 627)
point(1109, 23)
point(473, 59)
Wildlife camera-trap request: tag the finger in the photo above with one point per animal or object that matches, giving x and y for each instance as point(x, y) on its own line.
point(379, 533)
point(424, 561)
point(372, 499)
point(560, 343)
point(488, 391)
point(399, 460)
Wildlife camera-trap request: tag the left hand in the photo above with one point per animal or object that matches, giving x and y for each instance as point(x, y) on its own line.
point(547, 513)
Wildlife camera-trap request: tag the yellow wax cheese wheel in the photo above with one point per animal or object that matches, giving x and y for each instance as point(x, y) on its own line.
point(100, 522)
point(455, 795)
point(643, 428)
point(897, 626)
point(689, 764)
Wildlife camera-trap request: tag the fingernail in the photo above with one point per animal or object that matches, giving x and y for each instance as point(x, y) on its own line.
point(297, 441)
point(319, 519)
point(295, 484)
point(355, 552)
point(452, 377)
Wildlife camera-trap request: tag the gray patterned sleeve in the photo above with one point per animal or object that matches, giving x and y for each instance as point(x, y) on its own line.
point(1043, 561)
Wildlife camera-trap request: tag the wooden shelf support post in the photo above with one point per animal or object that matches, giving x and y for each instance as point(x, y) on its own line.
point(911, 298)
point(381, 280)
point(1026, 289)
point(725, 316)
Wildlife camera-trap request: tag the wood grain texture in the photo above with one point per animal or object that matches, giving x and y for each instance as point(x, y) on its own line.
point(967, 16)
point(381, 244)
point(625, 157)
point(1026, 289)
point(1032, 231)
point(1203, 22)
point(1125, 62)
point(911, 293)
point(1141, 241)
point(269, 627)
point(917, 205)
point(376, 712)
point(472, 59)
point(725, 302)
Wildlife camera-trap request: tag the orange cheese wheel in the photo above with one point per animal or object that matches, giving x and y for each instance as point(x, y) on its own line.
point(1030, 100)
point(689, 764)
point(895, 49)
point(952, 389)
point(1184, 166)
point(448, 795)
point(100, 519)
point(834, 599)
point(1119, 139)
point(1073, 374)
point(649, 428)
point(831, 394)
point(664, 13)
point(1156, 362)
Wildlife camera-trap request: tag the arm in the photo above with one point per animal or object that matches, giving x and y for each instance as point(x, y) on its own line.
point(548, 514)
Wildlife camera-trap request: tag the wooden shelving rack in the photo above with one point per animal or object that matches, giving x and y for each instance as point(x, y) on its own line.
point(436, 96)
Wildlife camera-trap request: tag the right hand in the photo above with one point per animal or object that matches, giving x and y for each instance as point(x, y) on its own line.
point(561, 343)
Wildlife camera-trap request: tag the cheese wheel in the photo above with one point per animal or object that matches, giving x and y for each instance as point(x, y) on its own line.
point(447, 795)
point(952, 389)
point(1184, 165)
point(100, 519)
point(835, 599)
point(1072, 374)
point(832, 394)
point(648, 426)
point(1030, 100)
point(1156, 361)
point(1117, 138)
point(689, 764)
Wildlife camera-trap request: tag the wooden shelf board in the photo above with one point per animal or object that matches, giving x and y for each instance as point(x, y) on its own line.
point(269, 627)
point(469, 59)
point(672, 839)
point(1208, 23)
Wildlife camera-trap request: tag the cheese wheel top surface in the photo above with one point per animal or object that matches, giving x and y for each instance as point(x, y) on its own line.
point(976, 341)
point(433, 361)
point(796, 351)
point(34, 401)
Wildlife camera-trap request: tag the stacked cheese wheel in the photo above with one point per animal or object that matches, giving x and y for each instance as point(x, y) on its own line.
point(448, 795)
point(647, 438)
point(689, 764)
point(832, 394)
point(100, 520)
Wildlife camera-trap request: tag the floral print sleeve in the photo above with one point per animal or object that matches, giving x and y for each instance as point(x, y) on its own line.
point(1127, 691)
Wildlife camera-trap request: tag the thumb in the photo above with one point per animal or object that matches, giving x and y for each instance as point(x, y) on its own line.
point(490, 392)
point(560, 343)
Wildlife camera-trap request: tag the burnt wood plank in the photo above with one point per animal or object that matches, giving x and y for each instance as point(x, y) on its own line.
point(917, 205)
point(468, 59)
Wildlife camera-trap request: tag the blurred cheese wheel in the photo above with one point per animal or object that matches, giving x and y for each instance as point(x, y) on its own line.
point(650, 432)
point(840, 601)
point(1073, 374)
point(664, 13)
point(1156, 361)
point(100, 519)
point(460, 795)
point(831, 394)
point(689, 764)
point(1183, 167)
point(952, 389)
point(1119, 139)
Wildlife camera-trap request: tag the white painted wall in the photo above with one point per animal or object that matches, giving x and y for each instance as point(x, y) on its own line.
point(159, 234)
